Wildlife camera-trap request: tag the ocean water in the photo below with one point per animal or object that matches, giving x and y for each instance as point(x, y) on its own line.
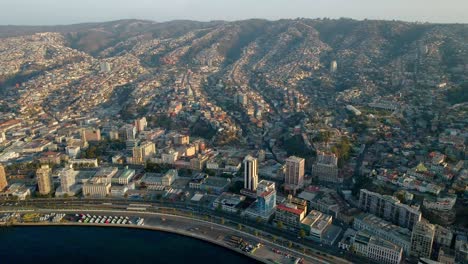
point(89, 245)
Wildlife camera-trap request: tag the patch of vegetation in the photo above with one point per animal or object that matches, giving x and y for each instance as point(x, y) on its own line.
point(156, 168)
point(202, 129)
point(458, 95)
point(296, 146)
point(342, 150)
point(236, 187)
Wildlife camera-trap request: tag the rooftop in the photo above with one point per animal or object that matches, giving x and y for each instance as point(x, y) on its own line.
point(289, 209)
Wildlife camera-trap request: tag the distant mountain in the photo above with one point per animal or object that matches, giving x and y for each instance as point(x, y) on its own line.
point(375, 56)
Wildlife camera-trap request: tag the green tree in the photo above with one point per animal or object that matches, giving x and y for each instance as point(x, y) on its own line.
point(279, 224)
point(302, 233)
point(239, 227)
point(256, 233)
point(290, 244)
point(222, 221)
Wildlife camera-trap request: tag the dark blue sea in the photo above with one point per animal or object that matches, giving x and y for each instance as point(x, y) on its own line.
point(89, 245)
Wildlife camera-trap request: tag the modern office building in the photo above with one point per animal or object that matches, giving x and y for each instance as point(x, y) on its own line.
point(389, 208)
point(422, 239)
point(44, 179)
point(294, 174)
point(266, 196)
point(325, 168)
point(3, 180)
point(250, 173)
point(265, 205)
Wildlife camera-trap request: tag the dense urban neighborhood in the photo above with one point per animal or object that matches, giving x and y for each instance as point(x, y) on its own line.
point(336, 135)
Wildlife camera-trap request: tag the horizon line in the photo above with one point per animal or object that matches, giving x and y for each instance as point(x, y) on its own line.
point(231, 21)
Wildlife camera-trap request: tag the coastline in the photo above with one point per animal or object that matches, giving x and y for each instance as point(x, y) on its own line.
point(149, 228)
point(176, 231)
point(178, 225)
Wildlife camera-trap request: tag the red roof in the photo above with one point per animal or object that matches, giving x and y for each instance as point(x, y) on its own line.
point(288, 209)
point(313, 188)
point(9, 123)
point(50, 153)
point(263, 194)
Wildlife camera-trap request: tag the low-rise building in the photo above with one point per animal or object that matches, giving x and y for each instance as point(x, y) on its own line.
point(118, 190)
point(18, 190)
point(290, 215)
point(315, 225)
point(228, 202)
point(123, 177)
point(96, 187)
point(156, 180)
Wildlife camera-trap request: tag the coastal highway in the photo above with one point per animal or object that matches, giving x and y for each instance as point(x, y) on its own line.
point(316, 249)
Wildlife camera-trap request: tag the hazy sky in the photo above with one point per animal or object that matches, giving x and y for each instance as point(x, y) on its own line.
point(35, 12)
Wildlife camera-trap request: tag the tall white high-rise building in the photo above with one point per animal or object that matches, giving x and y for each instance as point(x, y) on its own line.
point(250, 173)
point(333, 66)
point(67, 179)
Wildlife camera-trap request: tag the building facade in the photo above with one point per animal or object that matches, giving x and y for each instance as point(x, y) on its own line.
point(3, 180)
point(289, 215)
point(422, 239)
point(377, 249)
point(67, 179)
point(266, 197)
point(250, 173)
point(141, 124)
point(326, 168)
point(44, 179)
point(294, 173)
point(389, 208)
point(143, 152)
point(97, 187)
